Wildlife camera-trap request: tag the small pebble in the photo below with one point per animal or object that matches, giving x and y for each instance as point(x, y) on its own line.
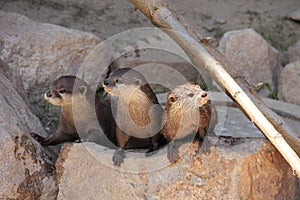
point(220, 21)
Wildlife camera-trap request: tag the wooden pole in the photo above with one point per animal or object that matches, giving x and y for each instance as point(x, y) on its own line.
point(204, 55)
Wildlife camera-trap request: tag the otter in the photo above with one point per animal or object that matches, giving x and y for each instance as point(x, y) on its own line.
point(136, 110)
point(77, 118)
point(188, 113)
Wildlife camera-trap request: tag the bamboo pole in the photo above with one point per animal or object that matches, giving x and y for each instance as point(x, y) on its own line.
point(204, 55)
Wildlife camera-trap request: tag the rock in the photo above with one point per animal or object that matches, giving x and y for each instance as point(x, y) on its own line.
point(15, 80)
point(295, 15)
point(159, 59)
point(41, 52)
point(294, 52)
point(27, 170)
point(257, 60)
point(160, 67)
point(220, 21)
point(234, 169)
point(94, 67)
point(289, 82)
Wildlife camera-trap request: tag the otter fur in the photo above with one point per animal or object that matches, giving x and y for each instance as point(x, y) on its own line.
point(135, 108)
point(81, 114)
point(188, 113)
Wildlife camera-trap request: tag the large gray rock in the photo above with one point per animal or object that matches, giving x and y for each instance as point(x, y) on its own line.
point(157, 56)
point(161, 67)
point(294, 52)
point(41, 52)
point(289, 82)
point(26, 169)
point(295, 15)
point(257, 60)
point(15, 80)
point(234, 169)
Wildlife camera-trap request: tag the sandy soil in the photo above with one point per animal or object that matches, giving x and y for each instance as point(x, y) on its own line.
point(212, 18)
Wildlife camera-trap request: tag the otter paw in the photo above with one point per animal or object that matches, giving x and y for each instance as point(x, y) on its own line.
point(150, 153)
point(152, 150)
point(118, 157)
point(172, 154)
point(205, 146)
point(37, 137)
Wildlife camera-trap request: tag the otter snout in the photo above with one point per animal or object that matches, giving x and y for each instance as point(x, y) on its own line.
point(107, 86)
point(204, 94)
point(204, 98)
point(48, 94)
point(106, 82)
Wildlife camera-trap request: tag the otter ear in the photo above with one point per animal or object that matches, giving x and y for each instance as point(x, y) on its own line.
point(82, 90)
point(135, 81)
point(172, 98)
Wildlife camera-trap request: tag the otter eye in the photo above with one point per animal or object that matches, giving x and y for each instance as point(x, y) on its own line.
point(117, 80)
point(62, 91)
point(191, 94)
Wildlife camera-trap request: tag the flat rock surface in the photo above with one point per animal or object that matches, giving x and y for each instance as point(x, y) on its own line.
point(234, 169)
point(233, 122)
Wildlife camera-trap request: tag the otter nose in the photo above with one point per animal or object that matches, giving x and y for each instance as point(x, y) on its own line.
point(105, 82)
point(204, 94)
point(48, 94)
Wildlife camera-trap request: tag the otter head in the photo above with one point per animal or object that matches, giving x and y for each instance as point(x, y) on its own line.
point(123, 82)
point(187, 96)
point(65, 90)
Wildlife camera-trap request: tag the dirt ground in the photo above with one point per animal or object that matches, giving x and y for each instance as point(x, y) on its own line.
point(211, 18)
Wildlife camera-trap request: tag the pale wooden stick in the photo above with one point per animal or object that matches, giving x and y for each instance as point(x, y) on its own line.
point(212, 61)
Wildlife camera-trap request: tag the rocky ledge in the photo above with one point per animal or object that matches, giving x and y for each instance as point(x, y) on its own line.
point(234, 169)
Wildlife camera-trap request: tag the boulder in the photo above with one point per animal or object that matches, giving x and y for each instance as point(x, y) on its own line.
point(15, 80)
point(289, 82)
point(257, 60)
point(161, 67)
point(234, 169)
point(294, 52)
point(295, 15)
point(26, 169)
point(41, 52)
point(157, 56)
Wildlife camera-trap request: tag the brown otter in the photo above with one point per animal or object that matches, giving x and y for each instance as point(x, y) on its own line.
point(78, 119)
point(188, 111)
point(135, 108)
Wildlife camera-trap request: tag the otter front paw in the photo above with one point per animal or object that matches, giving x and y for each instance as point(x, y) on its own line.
point(118, 157)
point(173, 153)
point(38, 138)
point(204, 147)
point(152, 150)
